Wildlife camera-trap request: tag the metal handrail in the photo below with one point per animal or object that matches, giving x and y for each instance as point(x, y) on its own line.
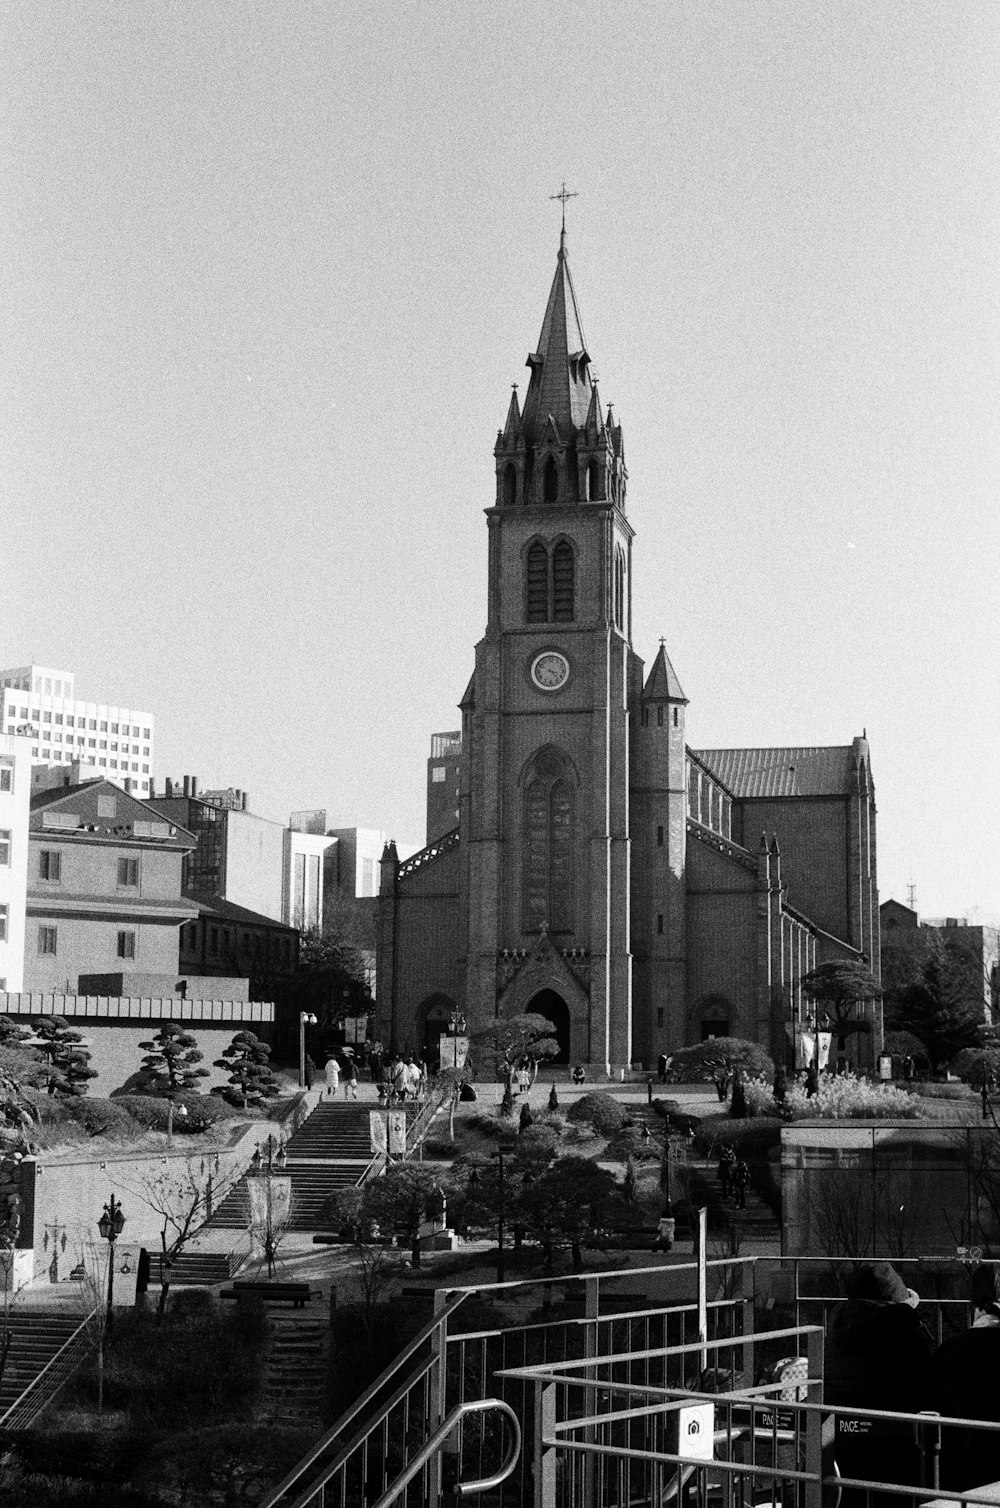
point(334, 1435)
point(31, 1406)
point(421, 1121)
point(440, 1435)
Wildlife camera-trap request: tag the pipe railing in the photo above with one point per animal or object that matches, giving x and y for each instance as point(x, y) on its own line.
point(51, 1380)
point(436, 1443)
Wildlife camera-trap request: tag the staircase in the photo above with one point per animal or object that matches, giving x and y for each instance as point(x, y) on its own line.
point(295, 1379)
point(329, 1152)
point(36, 1336)
point(201, 1267)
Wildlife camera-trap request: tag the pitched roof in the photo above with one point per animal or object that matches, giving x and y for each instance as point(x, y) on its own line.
point(559, 388)
point(228, 911)
point(784, 772)
point(662, 684)
point(82, 799)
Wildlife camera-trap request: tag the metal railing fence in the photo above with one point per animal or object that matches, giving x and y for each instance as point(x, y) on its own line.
point(51, 1380)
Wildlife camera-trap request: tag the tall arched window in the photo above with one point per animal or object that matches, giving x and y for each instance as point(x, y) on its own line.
point(550, 583)
point(550, 481)
point(536, 594)
point(549, 831)
point(620, 590)
point(593, 481)
point(510, 486)
point(562, 583)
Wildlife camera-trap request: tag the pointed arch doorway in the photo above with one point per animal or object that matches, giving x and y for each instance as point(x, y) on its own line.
point(553, 1007)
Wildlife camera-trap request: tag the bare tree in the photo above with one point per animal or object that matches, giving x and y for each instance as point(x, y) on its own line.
point(183, 1201)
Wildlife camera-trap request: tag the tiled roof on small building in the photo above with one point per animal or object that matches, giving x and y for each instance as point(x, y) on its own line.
point(784, 772)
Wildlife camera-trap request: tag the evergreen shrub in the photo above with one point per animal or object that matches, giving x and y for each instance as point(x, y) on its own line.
point(600, 1110)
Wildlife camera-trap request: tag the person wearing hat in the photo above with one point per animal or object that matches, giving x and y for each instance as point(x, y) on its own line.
point(966, 1383)
point(877, 1356)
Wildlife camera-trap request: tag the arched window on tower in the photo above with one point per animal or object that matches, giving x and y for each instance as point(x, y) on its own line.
point(510, 486)
point(550, 481)
point(562, 583)
point(593, 481)
point(549, 828)
point(619, 590)
point(536, 587)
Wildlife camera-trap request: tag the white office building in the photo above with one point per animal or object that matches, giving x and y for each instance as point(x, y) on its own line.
point(40, 704)
point(15, 808)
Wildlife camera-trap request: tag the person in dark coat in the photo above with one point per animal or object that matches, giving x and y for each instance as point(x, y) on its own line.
point(966, 1383)
point(877, 1356)
point(741, 1182)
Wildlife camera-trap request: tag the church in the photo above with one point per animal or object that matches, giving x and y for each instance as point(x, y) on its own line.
point(638, 893)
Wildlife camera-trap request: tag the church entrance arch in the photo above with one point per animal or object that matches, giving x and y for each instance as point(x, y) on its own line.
point(554, 1008)
point(716, 1015)
point(436, 1011)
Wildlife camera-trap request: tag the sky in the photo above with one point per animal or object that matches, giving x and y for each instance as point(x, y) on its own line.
point(270, 270)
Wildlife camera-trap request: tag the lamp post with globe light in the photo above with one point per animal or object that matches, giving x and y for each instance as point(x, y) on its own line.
point(110, 1226)
point(306, 1018)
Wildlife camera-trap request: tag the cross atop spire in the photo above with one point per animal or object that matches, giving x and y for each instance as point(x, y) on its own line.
point(563, 195)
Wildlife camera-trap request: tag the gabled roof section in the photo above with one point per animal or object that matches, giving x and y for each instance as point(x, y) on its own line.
point(753, 773)
point(662, 684)
point(105, 811)
point(215, 905)
point(560, 383)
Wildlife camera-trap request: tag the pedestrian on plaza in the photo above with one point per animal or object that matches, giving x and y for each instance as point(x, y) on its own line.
point(661, 1067)
point(812, 1081)
point(523, 1077)
point(351, 1080)
point(741, 1182)
point(375, 1061)
point(400, 1079)
point(578, 1074)
point(310, 1074)
point(964, 1371)
point(721, 1084)
point(332, 1072)
point(727, 1163)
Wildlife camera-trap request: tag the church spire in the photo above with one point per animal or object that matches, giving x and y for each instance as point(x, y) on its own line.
point(561, 384)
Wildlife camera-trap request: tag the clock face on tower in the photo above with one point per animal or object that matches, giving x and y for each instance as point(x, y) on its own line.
point(550, 670)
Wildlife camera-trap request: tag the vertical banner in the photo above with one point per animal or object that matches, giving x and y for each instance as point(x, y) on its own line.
point(397, 1132)
point(454, 1052)
point(376, 1126)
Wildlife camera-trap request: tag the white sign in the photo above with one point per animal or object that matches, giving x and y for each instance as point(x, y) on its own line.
point(696, 1431)
point(454, 1052)
point(397, 1132)
point(356, 1028)
point(376, 1126)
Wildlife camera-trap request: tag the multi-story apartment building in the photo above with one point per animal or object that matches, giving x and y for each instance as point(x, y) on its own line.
point(15, 796)
point(247, 860)
point(40, 704)
point(104, 891)
point(444, 784)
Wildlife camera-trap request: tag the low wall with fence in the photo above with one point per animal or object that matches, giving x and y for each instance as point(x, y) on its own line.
point(112, 1027)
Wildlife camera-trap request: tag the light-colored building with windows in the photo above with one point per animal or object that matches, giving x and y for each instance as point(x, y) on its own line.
point(40, 704)
point(15, 800)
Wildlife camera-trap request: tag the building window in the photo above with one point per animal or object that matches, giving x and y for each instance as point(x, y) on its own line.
point(659, 837)
point(102, 743)
point(35, 716)
point(114, 727)
point(675, 717)
point(46, 717)
point(91, 743)
point(659, 717)
point(135, 732)
point(128, 872)
point(659, 1015)
point(6, 778)
point(70, 722)
point(4, 913)
point(59, 717)
point(438, 774)
point(537, 585)
point(145, 753)
point(549, 826)
point(659, 922)
point(145, 734)
point(107, 806)
point(114, 748)
point(48, 938)
point(126, 945)
point(145, 771)
point(50, 865)
point(4, 846)
point(562, 583)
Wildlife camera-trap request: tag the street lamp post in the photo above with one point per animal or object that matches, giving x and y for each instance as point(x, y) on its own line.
point(260, 1167)
point(306, 1018)
point(499, 1155)
point(110, 1226)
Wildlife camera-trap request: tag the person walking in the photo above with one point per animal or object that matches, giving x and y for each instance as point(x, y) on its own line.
point(400, 1079)
point(661, 1067)
point(351, 1080)
point(727, 1159)
point(332, 1072)
point(741, 1182)
point(964, 1371)
point(812, 1081)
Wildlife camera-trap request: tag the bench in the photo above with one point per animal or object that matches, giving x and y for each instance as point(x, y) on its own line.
point(298, 1294)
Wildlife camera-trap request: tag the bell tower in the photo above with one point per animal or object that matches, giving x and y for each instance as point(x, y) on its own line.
point(545, 882)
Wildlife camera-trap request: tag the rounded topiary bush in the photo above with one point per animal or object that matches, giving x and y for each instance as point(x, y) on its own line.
point(602, 1111)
